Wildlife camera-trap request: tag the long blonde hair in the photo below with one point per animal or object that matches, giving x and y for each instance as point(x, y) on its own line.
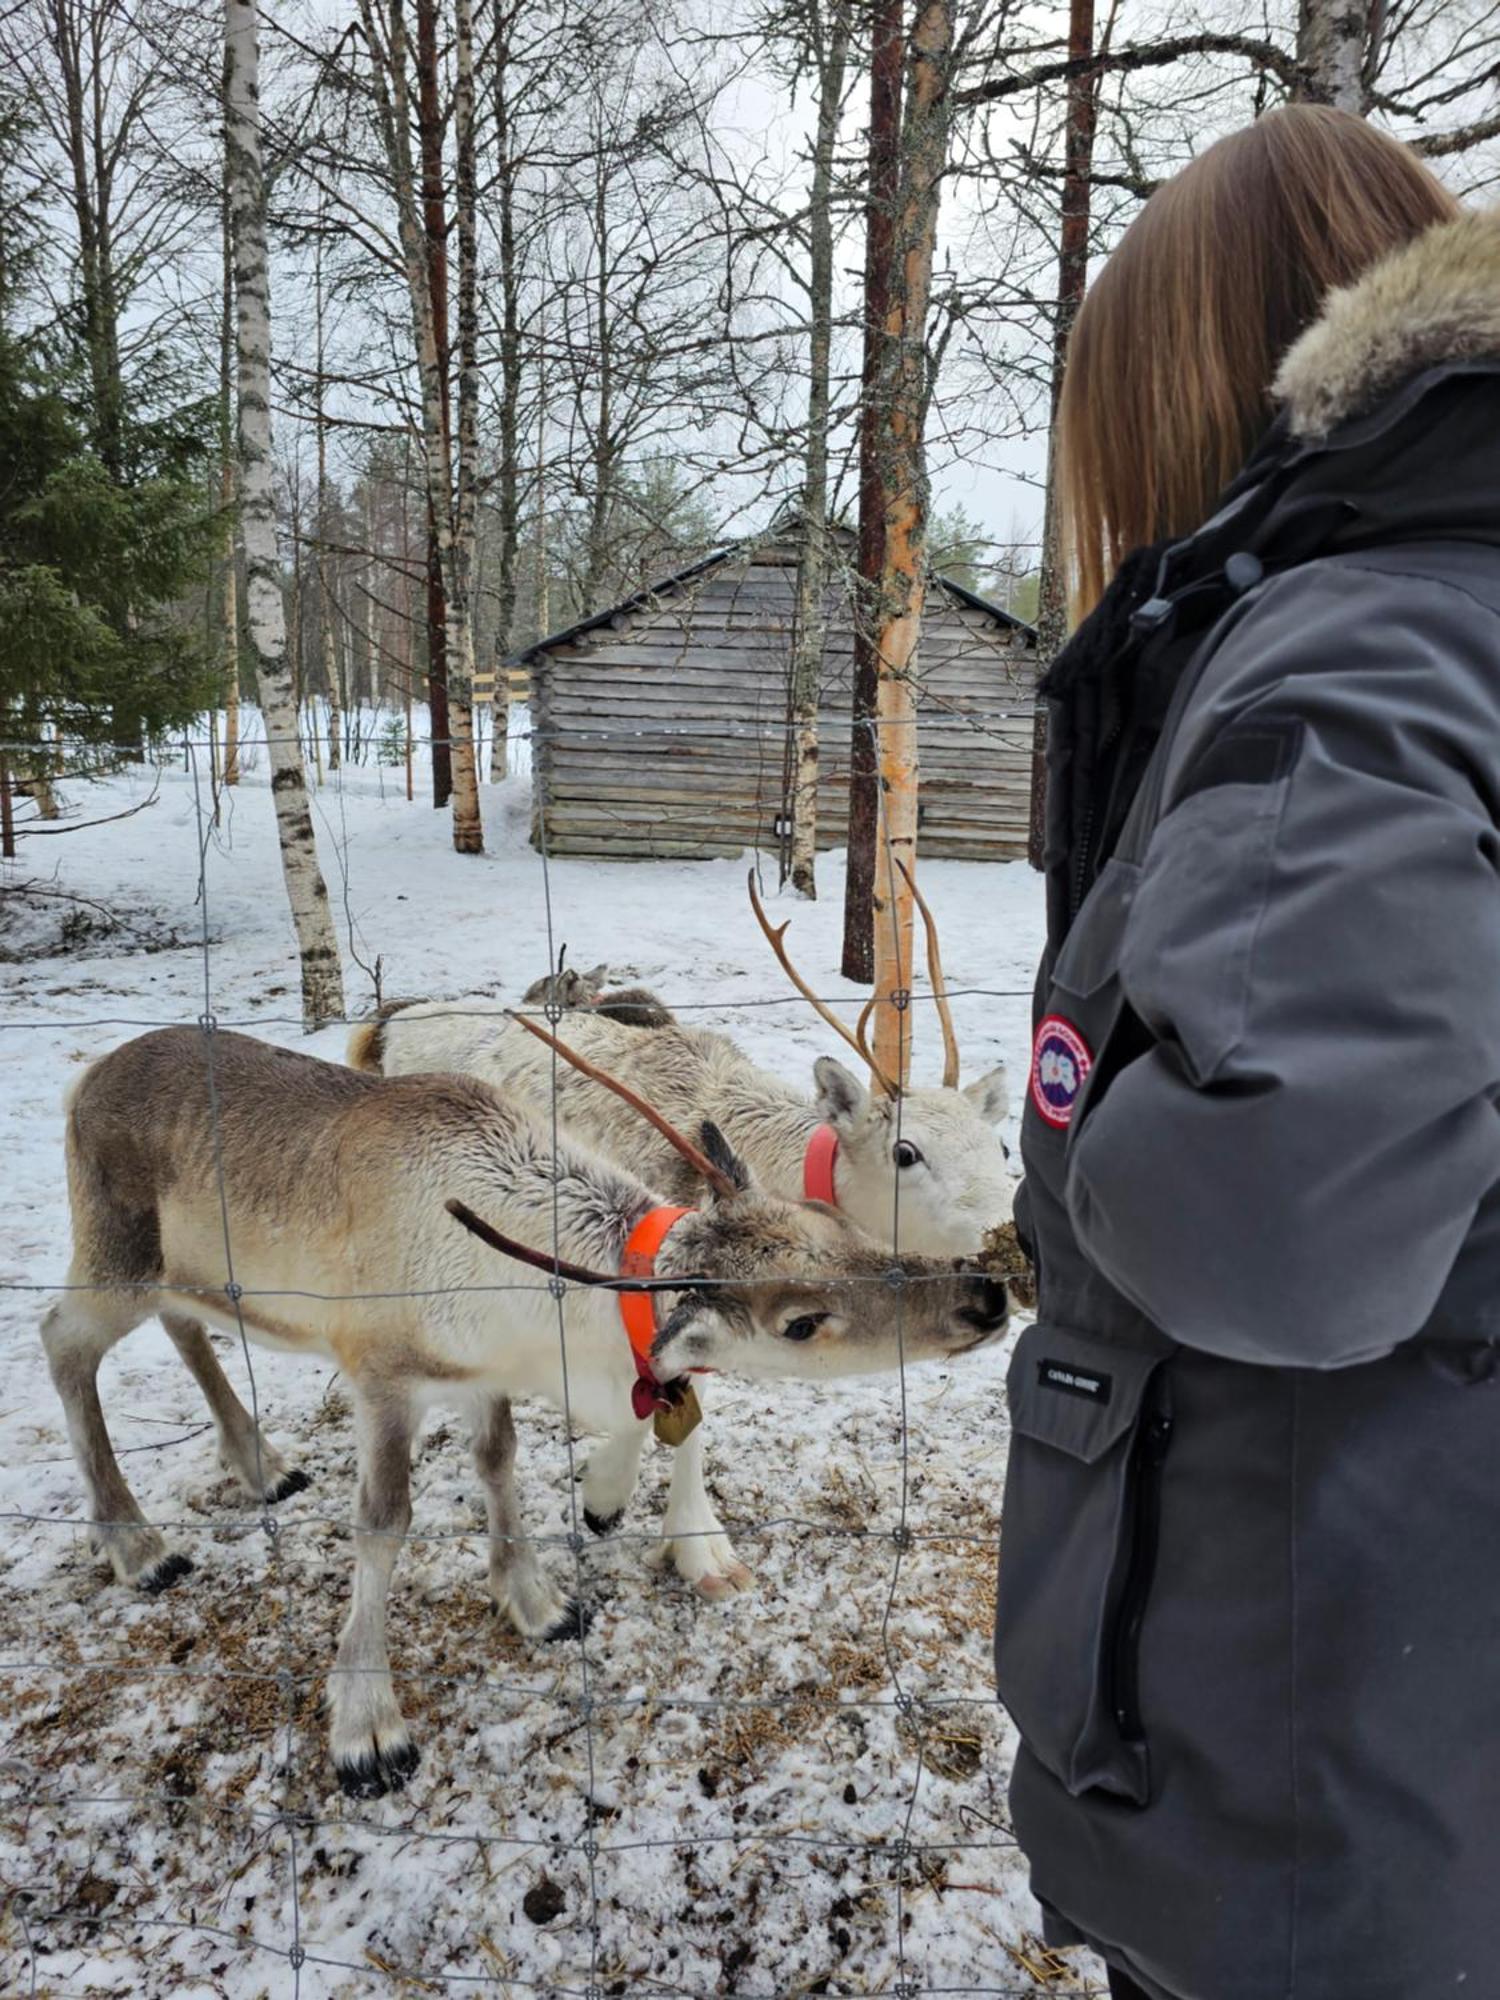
point(1172, 355)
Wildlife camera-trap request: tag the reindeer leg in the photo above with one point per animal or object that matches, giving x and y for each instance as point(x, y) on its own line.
point(258, 1466)
point(517, 1586)
point(371, 1746)
point(703, 1554)
point(610, 1477)
point(78, 1331)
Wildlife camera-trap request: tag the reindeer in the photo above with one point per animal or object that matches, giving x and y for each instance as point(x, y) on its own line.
point(220, 1182)
point(922, 1166)
point(567, 990)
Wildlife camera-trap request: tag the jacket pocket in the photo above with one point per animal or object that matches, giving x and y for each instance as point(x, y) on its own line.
point(1090, 1428)
point(1187, 957)
point(1090, 954)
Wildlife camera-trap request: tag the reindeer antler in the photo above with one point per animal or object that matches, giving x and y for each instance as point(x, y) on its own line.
point(700, 1163)
point(776, 938)
point(543, 1260)
point(939, 983)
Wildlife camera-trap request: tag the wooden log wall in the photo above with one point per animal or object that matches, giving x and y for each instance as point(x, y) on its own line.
point(662, 733)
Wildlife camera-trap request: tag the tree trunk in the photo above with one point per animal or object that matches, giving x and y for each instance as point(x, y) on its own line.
point(75, 34)
point(1338, 46)
point(424, 253)
point(812, 566)
point(433, 260)
point(880, 219)
point(597, 582)
point(508, 472)
point(7, 812)
point(1072, 274)
point(437, 670)
point(541, 610)
point(322, 975)
point(903, 478)
point(468, 827)
point(230, 609)
point(325, 605)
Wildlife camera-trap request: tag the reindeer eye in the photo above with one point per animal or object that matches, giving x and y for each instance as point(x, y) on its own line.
point(804, 1328)
point(905, 1154)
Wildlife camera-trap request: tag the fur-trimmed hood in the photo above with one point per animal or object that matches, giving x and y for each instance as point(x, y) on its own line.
point(1435, 300)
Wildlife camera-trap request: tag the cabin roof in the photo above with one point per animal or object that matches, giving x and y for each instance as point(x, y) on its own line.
point(750, 546)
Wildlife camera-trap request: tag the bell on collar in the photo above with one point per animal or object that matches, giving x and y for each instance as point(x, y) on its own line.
point(682, 1417)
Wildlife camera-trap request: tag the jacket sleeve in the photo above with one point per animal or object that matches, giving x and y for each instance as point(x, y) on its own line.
point(1288, 1173)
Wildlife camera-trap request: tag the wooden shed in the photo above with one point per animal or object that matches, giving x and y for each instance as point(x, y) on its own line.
point(660, 727)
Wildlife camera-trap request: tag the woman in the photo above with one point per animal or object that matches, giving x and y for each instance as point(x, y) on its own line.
point(1249, 1610)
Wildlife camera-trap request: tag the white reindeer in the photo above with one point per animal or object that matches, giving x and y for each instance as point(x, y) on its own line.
point(221, 1182)
point(924, 1169)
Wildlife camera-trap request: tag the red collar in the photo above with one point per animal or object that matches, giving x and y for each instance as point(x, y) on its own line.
point(638, 1309)
point(817, 1166)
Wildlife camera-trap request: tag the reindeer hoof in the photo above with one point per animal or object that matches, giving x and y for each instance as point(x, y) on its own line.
point(603, 1524)
point(376, 1772)
point(295, 1481)
point(573, 1624)
point(162, 1575)
point(717, 1588)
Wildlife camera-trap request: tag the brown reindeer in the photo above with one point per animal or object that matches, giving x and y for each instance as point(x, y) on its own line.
point(220, 1182)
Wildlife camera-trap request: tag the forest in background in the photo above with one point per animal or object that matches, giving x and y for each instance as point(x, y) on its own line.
point(552, 299)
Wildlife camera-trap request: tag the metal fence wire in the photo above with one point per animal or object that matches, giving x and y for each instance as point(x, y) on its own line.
point(268, 1653)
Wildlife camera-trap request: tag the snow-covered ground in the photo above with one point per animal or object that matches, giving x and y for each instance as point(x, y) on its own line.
point(169, 1824)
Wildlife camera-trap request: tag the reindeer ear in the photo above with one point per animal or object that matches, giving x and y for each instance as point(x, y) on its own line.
point(722, 1155)
point(990, 1096)
point(840, 1096)
point(594, 979)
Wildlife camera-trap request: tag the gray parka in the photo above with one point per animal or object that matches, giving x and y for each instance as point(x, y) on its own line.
point(1249, 1602)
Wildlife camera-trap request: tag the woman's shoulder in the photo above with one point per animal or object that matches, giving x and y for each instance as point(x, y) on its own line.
point(1377, 644)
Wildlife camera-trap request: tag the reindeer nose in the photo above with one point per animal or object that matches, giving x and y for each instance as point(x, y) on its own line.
point(989, 1307)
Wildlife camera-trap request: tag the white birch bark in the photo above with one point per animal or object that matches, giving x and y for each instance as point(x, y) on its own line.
point(1335, 51)
point(317, 945)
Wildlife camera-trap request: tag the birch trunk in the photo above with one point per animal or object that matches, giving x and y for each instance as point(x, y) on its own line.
point(230, 609)
point(1072, 273)
point(541, 580)
point(880, 223)
point(1338, 44)
point(812, 567)
point(325, 607)
point(508, 479)
point(322, 974)
point(903, 472)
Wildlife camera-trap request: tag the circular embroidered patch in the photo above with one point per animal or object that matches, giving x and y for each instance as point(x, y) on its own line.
point(1060, 1065)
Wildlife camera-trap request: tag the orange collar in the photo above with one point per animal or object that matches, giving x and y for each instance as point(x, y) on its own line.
point(817, 1166)
point(638, 1309)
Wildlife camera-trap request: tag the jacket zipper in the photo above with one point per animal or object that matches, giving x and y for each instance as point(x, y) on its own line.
point(1084, 854)
point(1148, 1458)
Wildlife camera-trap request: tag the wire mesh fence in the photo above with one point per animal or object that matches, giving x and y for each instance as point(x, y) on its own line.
point(797, 1794)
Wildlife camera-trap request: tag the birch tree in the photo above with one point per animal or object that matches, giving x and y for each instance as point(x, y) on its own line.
point(1338, 48)
point(317, 946)
point(229, 603)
